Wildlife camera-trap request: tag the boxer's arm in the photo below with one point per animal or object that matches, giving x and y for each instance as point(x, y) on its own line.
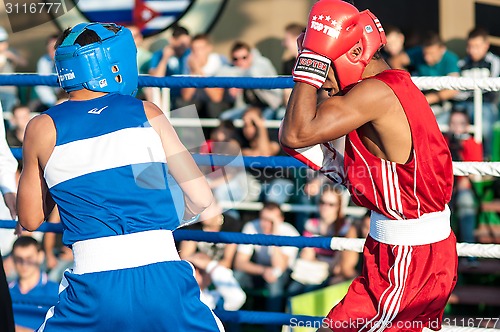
point(197, 193)
point(306, 123)
point(34, 202)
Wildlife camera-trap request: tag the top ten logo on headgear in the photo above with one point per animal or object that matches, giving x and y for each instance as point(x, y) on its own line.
point(327, 25)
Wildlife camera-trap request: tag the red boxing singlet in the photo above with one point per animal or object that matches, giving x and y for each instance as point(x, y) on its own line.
point(402, 191)
point(403, 286)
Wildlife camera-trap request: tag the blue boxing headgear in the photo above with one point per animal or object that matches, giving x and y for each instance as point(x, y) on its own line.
point(109, 65)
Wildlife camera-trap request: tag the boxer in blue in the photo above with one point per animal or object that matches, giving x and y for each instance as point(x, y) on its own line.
point(107, 159)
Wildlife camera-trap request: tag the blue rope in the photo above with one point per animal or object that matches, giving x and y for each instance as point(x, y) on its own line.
point(217, 237)
point(45, 227)
point(267, 318)
point(220, 160)
point(280, 82)
point(248, 162)
point(260, 239)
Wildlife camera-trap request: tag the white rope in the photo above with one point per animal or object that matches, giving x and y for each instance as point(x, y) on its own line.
point(463, 249)
point(342, 243)
point(456, 83)
point(212, 123)
point(479, 168)
point(478, 250)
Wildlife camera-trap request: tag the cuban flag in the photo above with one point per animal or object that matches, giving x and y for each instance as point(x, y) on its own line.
point(151, 16)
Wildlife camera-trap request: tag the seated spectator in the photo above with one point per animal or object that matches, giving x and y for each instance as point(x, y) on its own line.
point(249, 62)
point(226, 293)
point(289, 42)
point(21, 115)
point(292, 32)
point(231, 184)
point(432, 59)
point(331, 222)
point(276, 187)
point(213, 220)
point(143, 60)
point(9, 60)
point(394, 46)
point(143, 55)
point(267, 266)
point(349, 263)
point(7, 239)
point(210, 102)
point(32, 285)
point(257, 136)
point(45, 66)
point(463, 148)
point(310, 190)
point(480, 63)
point(172, 59)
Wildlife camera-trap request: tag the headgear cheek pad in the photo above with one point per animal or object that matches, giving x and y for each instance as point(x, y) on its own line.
point(350, 67)
point(109, 65)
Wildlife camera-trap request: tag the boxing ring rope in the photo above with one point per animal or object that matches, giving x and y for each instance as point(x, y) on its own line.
point(427, 83)
point(459, 168)
point(279, 82)
point(332, 243)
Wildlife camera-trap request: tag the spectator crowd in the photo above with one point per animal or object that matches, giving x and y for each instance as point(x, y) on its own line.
point(229, 274)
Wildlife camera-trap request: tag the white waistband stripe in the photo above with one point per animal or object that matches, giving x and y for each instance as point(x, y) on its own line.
point(429, 228)
point(124, 251)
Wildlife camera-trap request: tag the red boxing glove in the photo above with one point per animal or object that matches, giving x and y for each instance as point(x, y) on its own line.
point(321, 157)
point(311, 68)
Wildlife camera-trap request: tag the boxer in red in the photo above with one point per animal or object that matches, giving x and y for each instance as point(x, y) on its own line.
point(396, 164)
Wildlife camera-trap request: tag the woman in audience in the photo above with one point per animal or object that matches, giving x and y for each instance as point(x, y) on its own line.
point(331, 222)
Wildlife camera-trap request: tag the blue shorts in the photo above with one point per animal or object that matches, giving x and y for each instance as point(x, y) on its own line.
point(156, 297)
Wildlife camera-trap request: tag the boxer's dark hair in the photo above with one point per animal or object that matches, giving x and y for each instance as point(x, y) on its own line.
point(85, 38)
point(350, 1)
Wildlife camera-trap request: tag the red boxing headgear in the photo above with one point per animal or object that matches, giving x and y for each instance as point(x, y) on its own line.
point(348, 67)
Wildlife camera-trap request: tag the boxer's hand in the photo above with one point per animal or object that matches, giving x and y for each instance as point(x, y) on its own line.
point(311, 68)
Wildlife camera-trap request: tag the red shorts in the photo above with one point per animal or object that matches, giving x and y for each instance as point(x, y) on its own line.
point(402, 288)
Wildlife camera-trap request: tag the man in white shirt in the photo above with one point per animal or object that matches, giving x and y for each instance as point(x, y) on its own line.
point(267, 266)
point(8, 167)
point(202, 61)
point(45, 66)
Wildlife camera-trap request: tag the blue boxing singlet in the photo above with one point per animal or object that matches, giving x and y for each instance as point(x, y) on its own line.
point(108, 172)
